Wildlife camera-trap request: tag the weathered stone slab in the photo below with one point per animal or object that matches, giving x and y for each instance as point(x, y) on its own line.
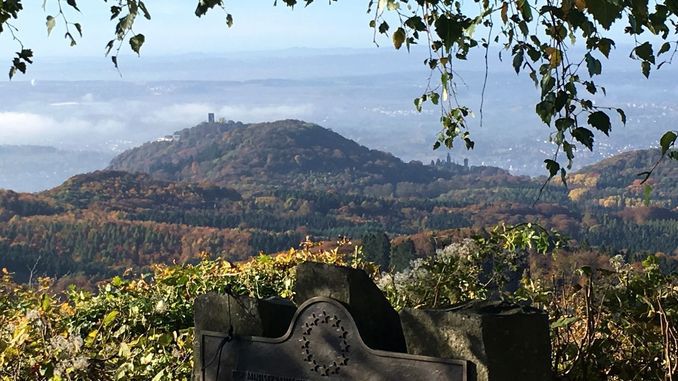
point(377, 321)
point(242, 316)
point(322, 343)
point(501, 341)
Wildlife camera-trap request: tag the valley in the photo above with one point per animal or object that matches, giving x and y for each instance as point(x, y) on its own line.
point(232, 190)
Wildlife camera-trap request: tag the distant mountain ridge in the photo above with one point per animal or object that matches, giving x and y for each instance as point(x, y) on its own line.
point(287, 152)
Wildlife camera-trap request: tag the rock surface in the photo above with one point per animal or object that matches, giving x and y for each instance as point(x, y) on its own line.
point(246, 316)
point(502, 341)
point(377, 322)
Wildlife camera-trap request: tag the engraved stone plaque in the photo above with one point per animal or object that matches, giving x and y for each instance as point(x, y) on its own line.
point(322, 343)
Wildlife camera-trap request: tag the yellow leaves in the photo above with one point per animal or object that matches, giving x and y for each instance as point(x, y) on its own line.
point(66, 309)
point(580, 4)
point(504, 12)
point(555, 56)
point(147, 359)
point(577, 194)
point(91, 337)
point(21, 333)
point(123, 322)
point(399, 38)
point(124, 351)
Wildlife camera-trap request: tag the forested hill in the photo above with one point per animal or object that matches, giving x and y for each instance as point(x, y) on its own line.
point(124, 190)
point(288, 152)
point(233, 190)
point(616, 181)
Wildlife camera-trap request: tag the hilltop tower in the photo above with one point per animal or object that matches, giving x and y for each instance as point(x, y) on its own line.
point(210, 117)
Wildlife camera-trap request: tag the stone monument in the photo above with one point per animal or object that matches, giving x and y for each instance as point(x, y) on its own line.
point(345, 329)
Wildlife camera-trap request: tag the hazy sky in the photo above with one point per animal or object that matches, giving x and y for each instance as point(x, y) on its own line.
point(174, 28)
point(363, 92)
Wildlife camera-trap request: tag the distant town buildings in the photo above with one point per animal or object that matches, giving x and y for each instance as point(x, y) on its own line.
point(168, 138)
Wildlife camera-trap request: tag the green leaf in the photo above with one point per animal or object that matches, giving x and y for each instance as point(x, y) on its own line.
point(569, 152)
point(19, 65)
point(552, 166)
point(644, 52)
point(416, 23)
point(147, 14)
point(667, 140)
point(91, 337)
point(69, 36)
point(518, 58)
point(546, 108)
point(26, 55)
point(206, 5)
point(605, 12)
point(525, 10)
point(51, 23)
point(593, 65)
point(109, 46)
point(434, 97)
point(604, 46)
point(115, 11)
point(664, 48)
point(645, 68)
point(622, 115)
point(600, 121)
point(73, 4)
point(399, 38)
point(229, 20)
point(590, 87)
point(110, 318)
point(418, 102)
point(584, 136)
point(78, 27)
point(564, 322)
point(383, 27)
point(562, 124)
point(450, 30)
point(136, 42)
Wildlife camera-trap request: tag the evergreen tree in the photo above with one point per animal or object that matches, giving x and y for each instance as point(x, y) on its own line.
point(377, 249)
point(402, 254)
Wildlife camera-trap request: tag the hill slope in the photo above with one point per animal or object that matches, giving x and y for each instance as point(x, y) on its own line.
point(287, 152)
point(617, 180)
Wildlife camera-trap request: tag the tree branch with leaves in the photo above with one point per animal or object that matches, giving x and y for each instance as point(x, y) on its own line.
point(538, 34)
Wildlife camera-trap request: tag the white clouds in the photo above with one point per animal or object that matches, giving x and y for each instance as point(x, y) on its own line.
point(86, 122)
point(33, 128)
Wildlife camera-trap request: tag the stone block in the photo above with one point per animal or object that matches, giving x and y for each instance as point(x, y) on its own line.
point(502, 341)
point(248, 317)
point(377, 322)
